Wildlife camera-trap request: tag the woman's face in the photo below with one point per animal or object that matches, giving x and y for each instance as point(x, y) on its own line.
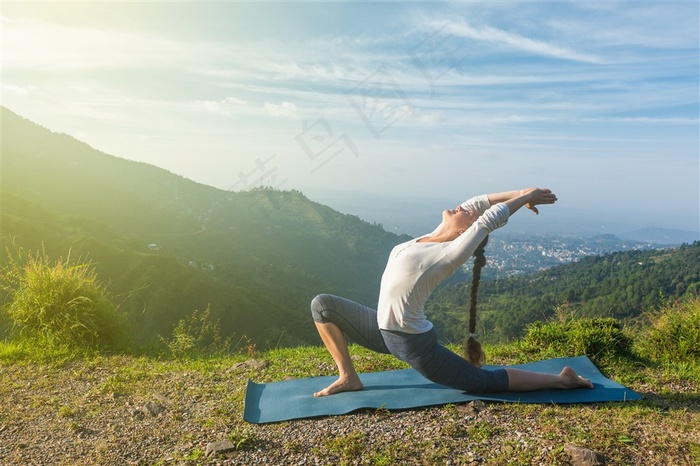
point(459, 220)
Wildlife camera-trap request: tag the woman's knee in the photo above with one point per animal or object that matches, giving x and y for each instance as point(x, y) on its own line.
point(319, 305)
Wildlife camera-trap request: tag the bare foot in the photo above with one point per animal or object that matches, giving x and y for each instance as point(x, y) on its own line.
point(573, 380)
point(346, 384)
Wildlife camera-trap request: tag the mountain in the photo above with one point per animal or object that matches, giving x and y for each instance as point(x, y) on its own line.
point(168, 245)
point(662, 236)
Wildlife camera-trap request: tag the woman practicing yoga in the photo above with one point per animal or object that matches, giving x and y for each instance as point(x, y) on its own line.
point(399, 326)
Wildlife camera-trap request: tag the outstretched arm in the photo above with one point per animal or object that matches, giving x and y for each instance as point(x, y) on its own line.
point(482, 202)
point(495, 198)
point(530, 198)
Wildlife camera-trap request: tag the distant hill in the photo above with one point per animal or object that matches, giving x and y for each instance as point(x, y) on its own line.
point(620, 284)
point(662, 236)
point(168, 245)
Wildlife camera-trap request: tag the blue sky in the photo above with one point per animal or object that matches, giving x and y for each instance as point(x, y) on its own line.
point(411, 102)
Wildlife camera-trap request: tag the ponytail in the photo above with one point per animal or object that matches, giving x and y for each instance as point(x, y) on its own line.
point(472, 348)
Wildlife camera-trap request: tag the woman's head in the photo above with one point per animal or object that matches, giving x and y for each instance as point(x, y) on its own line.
point(457, 221)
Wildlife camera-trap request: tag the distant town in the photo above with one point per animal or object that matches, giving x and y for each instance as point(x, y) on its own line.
point(513, 255)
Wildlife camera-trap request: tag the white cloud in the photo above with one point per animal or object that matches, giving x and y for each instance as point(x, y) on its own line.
point(224, 107)
point(18, 89)
point(461, 28)
point(285, 109)
point(432, 118)
point(649, 24)
point(644, 120)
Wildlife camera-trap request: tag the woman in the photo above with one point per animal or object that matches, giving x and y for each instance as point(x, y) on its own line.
point(399, 326)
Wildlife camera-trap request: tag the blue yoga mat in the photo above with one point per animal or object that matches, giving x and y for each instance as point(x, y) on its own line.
point(402, 389)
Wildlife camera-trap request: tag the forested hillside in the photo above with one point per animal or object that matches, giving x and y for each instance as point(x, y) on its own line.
point(621, 285)
point(167, 245)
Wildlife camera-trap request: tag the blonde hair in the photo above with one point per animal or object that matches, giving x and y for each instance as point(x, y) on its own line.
point(472, 348)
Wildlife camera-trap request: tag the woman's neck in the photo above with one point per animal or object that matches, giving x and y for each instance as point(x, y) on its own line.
point(438, 237)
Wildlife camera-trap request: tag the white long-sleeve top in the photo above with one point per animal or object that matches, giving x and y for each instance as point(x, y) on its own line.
point(414, 269)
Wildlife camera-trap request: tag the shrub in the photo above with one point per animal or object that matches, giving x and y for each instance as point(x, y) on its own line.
point(673, 333)
point(5, 323)
point(596, 338)
point(59, 303)
point(197, 334)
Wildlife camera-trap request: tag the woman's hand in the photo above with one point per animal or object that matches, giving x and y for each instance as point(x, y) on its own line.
point(538, 196)
point(530, 198)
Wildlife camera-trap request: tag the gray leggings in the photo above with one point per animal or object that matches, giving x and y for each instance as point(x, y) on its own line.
point(420, 351)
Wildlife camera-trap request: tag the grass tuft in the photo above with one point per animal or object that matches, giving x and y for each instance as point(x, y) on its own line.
point(597, 338)
point(673, 333)
point(57, 303)
point(197, 335)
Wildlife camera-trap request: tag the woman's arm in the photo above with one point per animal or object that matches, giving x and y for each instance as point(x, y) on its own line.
point(495, 198)
point(530, 198)
point(482, 202)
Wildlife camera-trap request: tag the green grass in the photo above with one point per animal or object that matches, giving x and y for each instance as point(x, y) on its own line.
point(73, 396)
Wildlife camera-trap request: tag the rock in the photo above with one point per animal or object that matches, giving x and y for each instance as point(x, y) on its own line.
point(220, 447)
point(162, 398)
point(472, 409)
point(583, 456)
point(155, 408)
point(478, 405)
point(256, 364)
point(149, 409)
